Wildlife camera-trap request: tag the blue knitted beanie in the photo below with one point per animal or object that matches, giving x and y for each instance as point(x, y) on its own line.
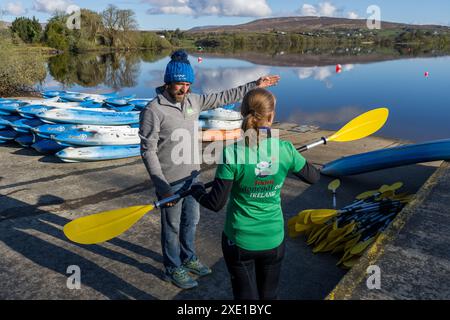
point(179, 68)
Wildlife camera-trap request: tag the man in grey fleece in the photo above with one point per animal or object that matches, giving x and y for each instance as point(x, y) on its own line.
point(172, 115)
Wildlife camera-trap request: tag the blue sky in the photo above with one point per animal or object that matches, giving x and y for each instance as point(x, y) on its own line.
point(185, 14)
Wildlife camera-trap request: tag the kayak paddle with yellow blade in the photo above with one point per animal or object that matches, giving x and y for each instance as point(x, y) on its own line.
point(395, 186)
point(333, 187)
point(358, 128)
point(104, 226)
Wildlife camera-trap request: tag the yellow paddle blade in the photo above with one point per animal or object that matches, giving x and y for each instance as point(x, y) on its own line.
point(384, 188)
point(334, 185)
point(360, 247)
point(385, 195)
point(292, 221)
point(322, 244)
point(292, 233)
point(317, 216)
point(339, 248)
point(104, 226)
point(366, 194)
point(396, 186)
point(324, 234)
point(362, 126)
point(315, 233)
point(336, 233)
point(324, 220)
point(347, 255)
point(301, 214)
point(306, 217)
point(350, 262)
point(350, 243)
point(300, 227)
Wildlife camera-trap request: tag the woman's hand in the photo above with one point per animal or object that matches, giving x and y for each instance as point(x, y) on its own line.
point(198, 190)
point(267, 81)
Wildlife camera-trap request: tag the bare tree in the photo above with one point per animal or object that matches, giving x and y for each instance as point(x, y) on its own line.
point(118, 24)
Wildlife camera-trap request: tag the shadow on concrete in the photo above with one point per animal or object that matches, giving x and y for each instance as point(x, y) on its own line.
point(72, 173)
point(27, 152)
point(56, 258)
point(51, 159)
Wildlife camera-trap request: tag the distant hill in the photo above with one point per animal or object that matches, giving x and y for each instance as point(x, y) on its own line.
point(301, 24)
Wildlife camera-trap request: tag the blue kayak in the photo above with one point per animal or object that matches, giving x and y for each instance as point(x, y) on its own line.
point(10, 107)
point(140, 103)
point(6, 120)
point(98, 153)
point(31, 111)
point(52, 93)
point(89, 117)
point(116, 102)
point(122, 108)
point(25, 125)
point(47, 146)
point(91, 104)
point(388, 158)
point(46, 130)
point(8, 134)
point(27, 140)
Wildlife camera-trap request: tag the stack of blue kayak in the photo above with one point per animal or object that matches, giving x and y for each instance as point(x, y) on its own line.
point(74, 126)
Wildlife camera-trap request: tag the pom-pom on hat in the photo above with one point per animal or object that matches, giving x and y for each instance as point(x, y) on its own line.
point(179, 68)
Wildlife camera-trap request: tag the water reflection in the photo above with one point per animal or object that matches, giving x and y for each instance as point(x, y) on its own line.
point(321, 73)
point(114, 70)
point(325, 119)
point(218, 79)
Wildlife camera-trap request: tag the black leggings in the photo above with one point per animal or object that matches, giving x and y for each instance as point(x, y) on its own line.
point(254, 274)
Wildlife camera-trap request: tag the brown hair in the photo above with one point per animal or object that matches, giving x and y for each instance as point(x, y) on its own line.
point(256, 108)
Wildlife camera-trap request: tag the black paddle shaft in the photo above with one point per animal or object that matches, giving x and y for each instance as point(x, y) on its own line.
point(176, 197)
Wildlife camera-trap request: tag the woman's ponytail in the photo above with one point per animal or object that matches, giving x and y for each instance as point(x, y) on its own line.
point(256, 108)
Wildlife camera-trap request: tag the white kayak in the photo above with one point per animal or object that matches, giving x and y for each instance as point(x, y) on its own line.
point(221, 114)
point(89, 117)
point(31, 111)
point(49, 130)
point(101, 138)
point(219, 124)
point(98, 153)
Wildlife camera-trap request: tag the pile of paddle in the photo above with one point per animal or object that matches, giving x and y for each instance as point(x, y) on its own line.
point(352, 229)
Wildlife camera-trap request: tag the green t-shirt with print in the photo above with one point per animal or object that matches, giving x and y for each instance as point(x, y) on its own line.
point(254, 218)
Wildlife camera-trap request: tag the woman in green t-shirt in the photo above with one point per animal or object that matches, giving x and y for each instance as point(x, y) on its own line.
point(251, 175)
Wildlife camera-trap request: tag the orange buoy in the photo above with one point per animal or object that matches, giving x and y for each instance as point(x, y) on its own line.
point(200, 59)
point(338, 68)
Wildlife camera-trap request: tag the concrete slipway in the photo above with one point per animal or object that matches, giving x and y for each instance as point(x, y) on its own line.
point(39, 195)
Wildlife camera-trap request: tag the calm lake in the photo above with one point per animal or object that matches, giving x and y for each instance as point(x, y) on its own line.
point(310, 91)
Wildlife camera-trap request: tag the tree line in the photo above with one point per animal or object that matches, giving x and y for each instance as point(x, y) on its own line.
point(112, 28)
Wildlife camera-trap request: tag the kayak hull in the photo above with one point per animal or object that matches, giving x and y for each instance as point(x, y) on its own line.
point(102, 153)
point(388, 158)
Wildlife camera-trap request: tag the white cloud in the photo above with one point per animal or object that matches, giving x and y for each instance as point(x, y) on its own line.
point(15, 9)
point(327, 9)
point(352, 15)
point(51, 6)
point(238, 8)
point(323, 9)
point(308, 10)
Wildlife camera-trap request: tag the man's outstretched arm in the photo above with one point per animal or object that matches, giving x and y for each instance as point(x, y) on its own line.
point(215, 100)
